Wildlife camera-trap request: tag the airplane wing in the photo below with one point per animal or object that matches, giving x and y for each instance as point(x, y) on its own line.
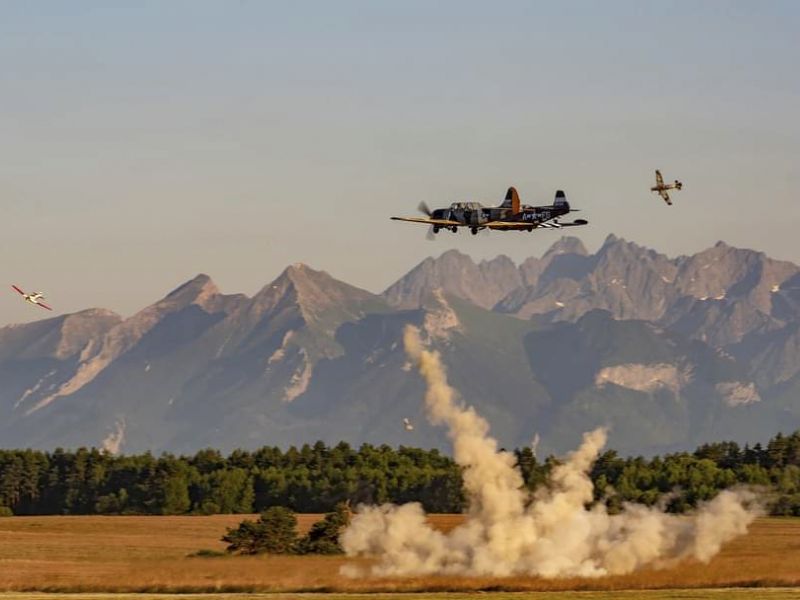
point(665, 196)
point(508, 225)
point(18, 290)
point(659, 178)
point(43, 305)
point(439, 222)
point(518, 225)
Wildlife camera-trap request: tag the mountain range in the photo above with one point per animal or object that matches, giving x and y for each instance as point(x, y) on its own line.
point(666, 352)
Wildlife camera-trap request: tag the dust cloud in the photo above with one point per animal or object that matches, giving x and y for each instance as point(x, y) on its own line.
point(509, 532)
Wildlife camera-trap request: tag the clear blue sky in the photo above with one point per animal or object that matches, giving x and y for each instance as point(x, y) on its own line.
point(144, 142)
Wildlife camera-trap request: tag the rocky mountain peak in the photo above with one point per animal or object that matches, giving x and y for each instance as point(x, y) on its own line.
point(301, 280)
point(619, 255)
point(300, 274)
point(454, 256)
point(82, 329)
point(501, 261)
point(618, 245)
point(456, 274)
point(567, 245)
point(315, 293)
point(500, 277)
point(58, 337)
point(612, 239)
point(198, 290)
point(448, 271)
point(725, 271)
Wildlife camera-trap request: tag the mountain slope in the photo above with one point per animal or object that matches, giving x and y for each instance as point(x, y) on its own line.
point(656, 391)
point(38, 358)
point(625, 337)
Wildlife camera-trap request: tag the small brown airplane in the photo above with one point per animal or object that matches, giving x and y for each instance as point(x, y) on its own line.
point(511, 215)
point(662, 188)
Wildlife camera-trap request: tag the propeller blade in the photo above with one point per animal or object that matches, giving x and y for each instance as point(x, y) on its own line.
point(424, 209)
point(430, 236)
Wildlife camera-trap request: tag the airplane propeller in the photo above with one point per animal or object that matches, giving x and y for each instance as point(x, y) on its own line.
point(425, 210)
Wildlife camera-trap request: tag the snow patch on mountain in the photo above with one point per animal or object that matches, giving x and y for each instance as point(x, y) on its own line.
point(737, 393)
point(644, 377)
point(300, 379)
point(280, 353)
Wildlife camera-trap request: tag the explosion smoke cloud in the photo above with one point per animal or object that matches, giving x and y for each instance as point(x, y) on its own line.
point(506, 532)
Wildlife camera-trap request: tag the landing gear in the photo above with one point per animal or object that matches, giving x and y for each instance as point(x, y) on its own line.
point(454, 229)
point(435, 229)
point(474, 231)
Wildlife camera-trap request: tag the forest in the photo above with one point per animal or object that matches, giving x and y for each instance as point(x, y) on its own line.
point(315, 478)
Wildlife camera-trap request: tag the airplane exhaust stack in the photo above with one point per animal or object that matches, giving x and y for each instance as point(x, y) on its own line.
point(508, 531)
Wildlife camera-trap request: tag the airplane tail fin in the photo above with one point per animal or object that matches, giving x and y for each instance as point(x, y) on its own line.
point(561, 200)
point(512, 200)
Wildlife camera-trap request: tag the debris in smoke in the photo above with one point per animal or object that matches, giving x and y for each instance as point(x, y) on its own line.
point(535, 443)
point(506, 532)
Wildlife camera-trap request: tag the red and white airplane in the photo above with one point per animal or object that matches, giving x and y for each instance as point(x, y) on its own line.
point(34, 298)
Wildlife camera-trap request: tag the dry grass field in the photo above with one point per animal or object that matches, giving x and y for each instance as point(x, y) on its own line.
point(151, 554)
point(712, 594)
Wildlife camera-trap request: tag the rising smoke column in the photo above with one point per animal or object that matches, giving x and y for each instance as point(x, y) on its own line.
point(506, 532)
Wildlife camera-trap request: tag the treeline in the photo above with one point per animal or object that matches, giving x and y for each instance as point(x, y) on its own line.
point(315, 478)
point(309, 479)
point(687, 479)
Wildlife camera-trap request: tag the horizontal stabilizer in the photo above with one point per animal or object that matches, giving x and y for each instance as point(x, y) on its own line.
point(575, 223)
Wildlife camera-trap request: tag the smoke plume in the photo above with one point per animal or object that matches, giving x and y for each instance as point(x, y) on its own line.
point(508, 532)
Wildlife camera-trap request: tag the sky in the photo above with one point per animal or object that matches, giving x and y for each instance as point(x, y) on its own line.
point(146, 142)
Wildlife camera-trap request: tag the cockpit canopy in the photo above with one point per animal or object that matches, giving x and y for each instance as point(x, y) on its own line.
point(466, 206)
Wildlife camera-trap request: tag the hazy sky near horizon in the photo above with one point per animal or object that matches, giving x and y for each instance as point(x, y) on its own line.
point(146, 142)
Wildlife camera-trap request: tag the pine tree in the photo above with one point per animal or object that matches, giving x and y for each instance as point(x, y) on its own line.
point(323, 538)
point(275, 532)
